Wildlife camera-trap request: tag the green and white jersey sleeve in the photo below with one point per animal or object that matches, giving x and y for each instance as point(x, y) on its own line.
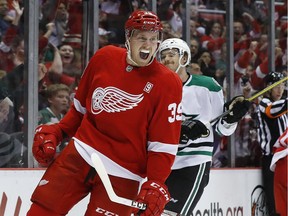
point(202, 100)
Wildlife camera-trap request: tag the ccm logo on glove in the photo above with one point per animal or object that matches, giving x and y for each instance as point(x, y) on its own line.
point(155, 195)
point(161, 189)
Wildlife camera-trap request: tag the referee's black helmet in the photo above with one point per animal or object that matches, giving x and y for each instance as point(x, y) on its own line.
point(273, 77)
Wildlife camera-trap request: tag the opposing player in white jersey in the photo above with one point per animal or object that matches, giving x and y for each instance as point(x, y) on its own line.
point(127, 110)
point(202, 101)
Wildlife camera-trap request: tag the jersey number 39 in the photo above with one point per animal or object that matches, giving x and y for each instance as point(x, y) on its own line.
point(176, 112)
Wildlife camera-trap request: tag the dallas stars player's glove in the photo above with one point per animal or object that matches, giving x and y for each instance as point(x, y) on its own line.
point(193, 129)
point(238, 106)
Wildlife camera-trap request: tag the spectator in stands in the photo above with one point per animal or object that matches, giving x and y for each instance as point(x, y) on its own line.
point(60, 23)
point(195, 69)
point(13, 153)
point(194, 49)
point(247, 58)
point(70, 60)
point(103, 37)
point(280, 49)
point(175, 18)
point(221, 65)
point(2, 73)
point(280, 11)
point(243, 66)
point(205, 62)
point(13, 55)
point(242, 36)
point(110, 6)
point(168, 31)
point(11, 49)
point(58, 99)
point(13, 82)
point(163, 8)
point(195, 31)
point(4, 18)
point(6, 112)
point(113, 14)
point(73, 35)
point(12, 44)
point(64, 67)
point(48, 10)
point(195, 15)
point(214, 39)
point(283, 42)
point(68, 18)
point(262, 48)
point(257, 78)
point(216, 5)
point(250, 7)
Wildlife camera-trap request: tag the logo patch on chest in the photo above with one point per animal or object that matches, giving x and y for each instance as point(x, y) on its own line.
point(111, 99)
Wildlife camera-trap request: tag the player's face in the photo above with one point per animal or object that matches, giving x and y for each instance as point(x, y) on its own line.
point(170, 58)
point(143, 45)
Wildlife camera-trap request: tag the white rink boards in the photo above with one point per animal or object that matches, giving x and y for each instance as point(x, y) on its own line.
point(230, 192)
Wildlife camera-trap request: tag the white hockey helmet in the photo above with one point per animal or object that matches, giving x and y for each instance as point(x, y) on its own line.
point(177, 43)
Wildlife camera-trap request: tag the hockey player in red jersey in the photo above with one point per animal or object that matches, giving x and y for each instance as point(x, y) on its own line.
point(127, 110)
point(279, 164)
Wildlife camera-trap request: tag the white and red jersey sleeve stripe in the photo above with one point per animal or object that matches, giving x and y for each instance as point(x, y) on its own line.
point(280, 149)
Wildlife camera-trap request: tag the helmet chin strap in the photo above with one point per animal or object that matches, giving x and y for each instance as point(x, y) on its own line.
point(180, 65)
point(127, 45)
point(178, 68)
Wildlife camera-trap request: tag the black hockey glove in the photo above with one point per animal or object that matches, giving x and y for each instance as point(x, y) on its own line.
point(192, 129)
point(238, 106)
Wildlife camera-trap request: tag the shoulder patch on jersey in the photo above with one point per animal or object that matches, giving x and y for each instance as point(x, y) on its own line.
point(204, 81)
point(111, 99)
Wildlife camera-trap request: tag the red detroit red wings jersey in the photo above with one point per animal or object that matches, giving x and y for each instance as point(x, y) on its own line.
point(132, 114)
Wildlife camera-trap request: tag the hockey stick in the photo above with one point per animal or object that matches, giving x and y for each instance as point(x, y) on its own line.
point(100, 169)
point(251, 98)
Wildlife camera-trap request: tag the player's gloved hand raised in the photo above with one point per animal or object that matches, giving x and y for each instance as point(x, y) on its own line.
point(192, 129)
point(46, 139)
point(155, 195)
point(238, 106)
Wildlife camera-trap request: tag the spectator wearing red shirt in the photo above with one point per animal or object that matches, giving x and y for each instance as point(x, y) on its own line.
point(214, 39)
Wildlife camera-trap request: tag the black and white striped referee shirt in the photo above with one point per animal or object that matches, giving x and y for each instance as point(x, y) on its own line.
point(273, 121)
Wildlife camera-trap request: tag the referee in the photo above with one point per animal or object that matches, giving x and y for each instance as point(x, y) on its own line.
point(272, 116)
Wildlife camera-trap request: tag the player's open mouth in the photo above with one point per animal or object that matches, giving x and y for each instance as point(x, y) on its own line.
point(144, 54)
point(67, 57)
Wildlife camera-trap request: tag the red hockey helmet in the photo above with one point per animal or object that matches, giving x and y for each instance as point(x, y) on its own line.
point(143, 20)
